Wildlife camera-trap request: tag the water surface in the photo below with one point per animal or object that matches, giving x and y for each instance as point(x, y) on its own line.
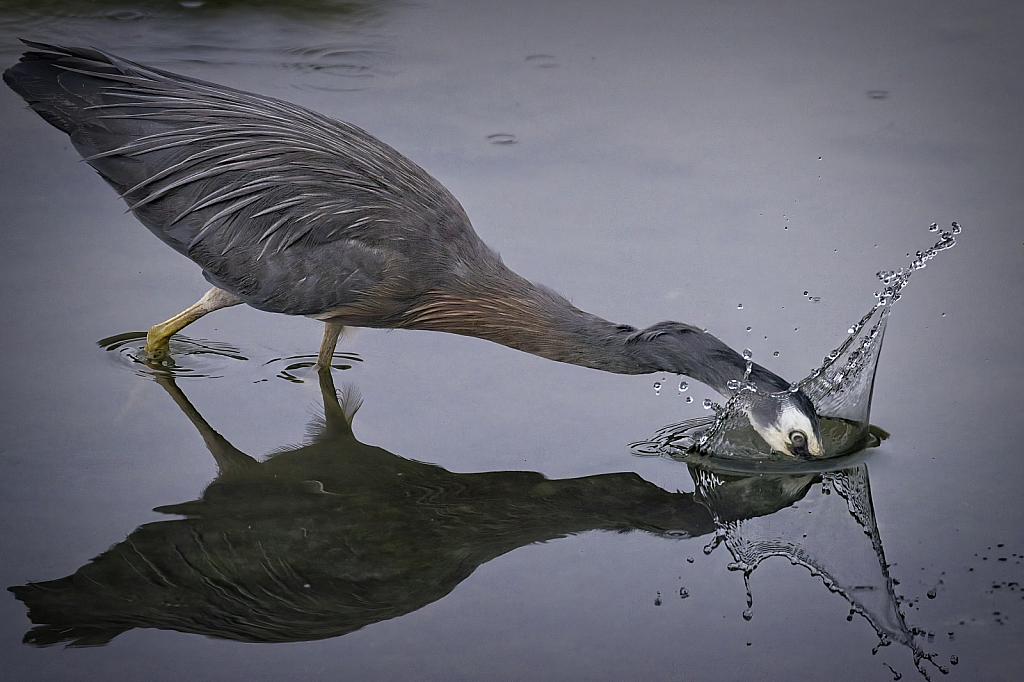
point(742, 167)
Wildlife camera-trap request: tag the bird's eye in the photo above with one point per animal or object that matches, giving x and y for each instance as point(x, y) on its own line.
point(797, 438)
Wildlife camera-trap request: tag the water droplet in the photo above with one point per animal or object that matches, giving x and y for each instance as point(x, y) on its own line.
point(657, 387)
point(749, 328)
point(932, 593)
point(776, 354)
point(819, 158)
point(934, 227)
point(739, 306)
point(956, 227)
point(683, 592)
point(733, 384)
point(953, 659)
point(943, 314)
point(683, 386)
point(689, 559)
point(689, 398)
point(796, 329)
point(748, 614)
point(806, 292)
point(747, 353)
point(657, 600)
point(707, 403)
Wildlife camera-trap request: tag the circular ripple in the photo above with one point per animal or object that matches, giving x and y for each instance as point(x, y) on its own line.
point(189, 358)
point(298, 368)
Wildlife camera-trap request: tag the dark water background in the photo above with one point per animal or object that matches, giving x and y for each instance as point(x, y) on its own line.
point(648, 160)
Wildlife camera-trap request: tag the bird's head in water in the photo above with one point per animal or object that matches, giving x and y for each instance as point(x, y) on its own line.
point(787, 422)
point(784, 418)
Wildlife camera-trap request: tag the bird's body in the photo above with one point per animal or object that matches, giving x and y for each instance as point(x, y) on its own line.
point(293, 212)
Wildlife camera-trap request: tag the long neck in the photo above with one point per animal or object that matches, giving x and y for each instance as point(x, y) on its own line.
point(516, 313)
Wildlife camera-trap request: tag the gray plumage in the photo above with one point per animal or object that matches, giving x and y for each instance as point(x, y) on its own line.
point(297, 213)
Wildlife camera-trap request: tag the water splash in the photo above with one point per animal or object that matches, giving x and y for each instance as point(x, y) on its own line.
point(841, 389)
point(824, 522)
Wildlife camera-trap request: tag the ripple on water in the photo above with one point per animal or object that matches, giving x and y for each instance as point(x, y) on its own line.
point(502, 138)
point(189, 358)
point(298, 368)
point(203, 359)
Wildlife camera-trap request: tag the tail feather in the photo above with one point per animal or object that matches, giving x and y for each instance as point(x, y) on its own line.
point(60, 84)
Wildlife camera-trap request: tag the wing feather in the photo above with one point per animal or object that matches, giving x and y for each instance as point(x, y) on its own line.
point(159, 137)
point(264, 195)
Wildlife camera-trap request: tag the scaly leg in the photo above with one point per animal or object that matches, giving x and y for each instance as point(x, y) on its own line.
point(332, 330)
point(159, 334)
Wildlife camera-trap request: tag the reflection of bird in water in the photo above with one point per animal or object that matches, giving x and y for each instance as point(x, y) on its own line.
point(322, 539)
point(293, 212)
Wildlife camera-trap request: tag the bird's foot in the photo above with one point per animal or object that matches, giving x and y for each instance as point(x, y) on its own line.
point(319, 369)
point(158, 347)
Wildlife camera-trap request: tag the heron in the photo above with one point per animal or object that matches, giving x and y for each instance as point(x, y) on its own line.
point(293, 212)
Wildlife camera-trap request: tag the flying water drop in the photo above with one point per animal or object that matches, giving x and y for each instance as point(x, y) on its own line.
point(683, 386)
point(657, 387)
point(840, 389)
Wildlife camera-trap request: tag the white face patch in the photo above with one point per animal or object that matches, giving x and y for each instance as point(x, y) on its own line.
point(790, 420)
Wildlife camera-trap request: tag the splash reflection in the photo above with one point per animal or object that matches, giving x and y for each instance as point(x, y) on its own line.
point(824, 522)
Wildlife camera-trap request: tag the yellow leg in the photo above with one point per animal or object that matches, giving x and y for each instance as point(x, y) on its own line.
point(332, 331)
point(157, 339)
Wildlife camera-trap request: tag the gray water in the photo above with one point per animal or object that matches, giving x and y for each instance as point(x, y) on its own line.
point(734, 166)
